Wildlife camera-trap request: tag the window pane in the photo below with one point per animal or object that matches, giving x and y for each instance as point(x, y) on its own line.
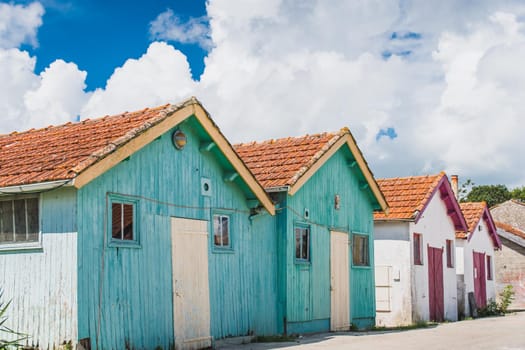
point(116, 220)
point(304, 247)
point(217, 230)
point(6, 221)
point(128, 221)
point(298, 243)
point(224, 231)
point(360, 250)
point(417, 249)
point(32, 219)
point(20, 220)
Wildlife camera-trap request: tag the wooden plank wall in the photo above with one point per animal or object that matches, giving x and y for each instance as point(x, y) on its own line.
point(125, 294)
point(354, 215)
point(42, 283)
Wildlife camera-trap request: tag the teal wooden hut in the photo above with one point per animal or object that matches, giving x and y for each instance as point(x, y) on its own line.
point(142, 230)
point(325, 195)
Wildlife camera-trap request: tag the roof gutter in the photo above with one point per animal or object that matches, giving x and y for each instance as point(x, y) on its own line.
point(277, 189)
point(36, 187)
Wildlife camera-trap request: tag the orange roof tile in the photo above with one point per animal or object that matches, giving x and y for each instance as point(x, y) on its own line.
point(61, 152)
point(473, 212)
point(407, 196)
point(281, 162)
point(511, 229)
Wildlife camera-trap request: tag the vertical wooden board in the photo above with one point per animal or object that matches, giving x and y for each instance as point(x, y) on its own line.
point(42, 284)
point(339, 282)
point(128, 306)
point(383, 280)
point(191, 307)
point(355, 214)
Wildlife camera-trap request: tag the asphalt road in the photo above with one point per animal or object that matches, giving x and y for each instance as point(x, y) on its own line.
point(494, 333)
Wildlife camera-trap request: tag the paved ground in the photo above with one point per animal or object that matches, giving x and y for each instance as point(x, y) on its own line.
point(494, 333)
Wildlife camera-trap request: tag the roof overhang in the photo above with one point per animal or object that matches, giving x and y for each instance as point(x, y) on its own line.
point(35, 187)
point(180, 113)
point(348, 140)
point(493, 231)
point(447, 196)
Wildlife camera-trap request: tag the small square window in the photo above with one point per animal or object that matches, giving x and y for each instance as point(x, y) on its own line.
point(123, 222)
point(302, 243)
point(221, 231)
point(450, 256)
point(418, 252)
point(19, 221)
point(360, 250)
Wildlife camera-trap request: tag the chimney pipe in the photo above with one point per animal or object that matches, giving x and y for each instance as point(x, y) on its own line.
point(454, 183)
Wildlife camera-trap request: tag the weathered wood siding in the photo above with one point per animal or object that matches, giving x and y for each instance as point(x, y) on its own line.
point(308, 284)
point(42, 283)
point(125, 294)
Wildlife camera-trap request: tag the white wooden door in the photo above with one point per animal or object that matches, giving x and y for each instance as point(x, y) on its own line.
point(191, 296)
point(339, 282)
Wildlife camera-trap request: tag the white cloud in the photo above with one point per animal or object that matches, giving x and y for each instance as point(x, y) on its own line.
point(19, 24)
point(160, 76)
point(59, 95)
point(452, 87)
point(28, 100)
point(168, 26)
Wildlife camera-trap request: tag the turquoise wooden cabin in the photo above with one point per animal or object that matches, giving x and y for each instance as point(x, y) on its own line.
point(143, 230)
point(325, 195)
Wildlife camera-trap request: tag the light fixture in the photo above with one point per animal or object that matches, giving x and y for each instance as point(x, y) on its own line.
point(179, 139)
point(337, 202)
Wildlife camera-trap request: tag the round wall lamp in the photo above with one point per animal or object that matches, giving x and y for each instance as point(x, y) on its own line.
point(179, 139)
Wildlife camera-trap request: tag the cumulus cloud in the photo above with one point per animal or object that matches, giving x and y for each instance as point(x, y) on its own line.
point(19, 24)
point(168, 26)
point(444, 77)
point(159, 76)
point(29, 100)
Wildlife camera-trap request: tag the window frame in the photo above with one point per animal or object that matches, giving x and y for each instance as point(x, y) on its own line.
point(24, 245)
point(449, 249)
point(222, 248)
point(418, 259)
point(123, 243)
point(301, 259)
point(489, 267)
point(360, 236)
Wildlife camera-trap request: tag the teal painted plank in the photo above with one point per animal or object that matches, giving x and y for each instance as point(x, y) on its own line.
point(354, 215)
point(125, 294)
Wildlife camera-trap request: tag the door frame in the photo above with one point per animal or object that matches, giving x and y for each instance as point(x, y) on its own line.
point(339, 281)
point(191, 328)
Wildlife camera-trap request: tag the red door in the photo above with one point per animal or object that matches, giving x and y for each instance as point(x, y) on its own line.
point(480, 287)
point(435, 284)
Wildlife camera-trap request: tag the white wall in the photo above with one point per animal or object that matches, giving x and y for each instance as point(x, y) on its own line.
point(42, 283)
point(481, 243)
point(436, 227)
point(392, 250)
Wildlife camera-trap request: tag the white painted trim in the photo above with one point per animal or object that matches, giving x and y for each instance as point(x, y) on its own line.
point(40, 186)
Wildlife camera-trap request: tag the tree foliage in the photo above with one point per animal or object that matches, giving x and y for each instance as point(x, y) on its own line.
point(518, 193)
point(492, 194)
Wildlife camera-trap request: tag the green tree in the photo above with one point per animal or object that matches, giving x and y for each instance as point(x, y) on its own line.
point(464, 189)
point(492, 194)
point(518, 193)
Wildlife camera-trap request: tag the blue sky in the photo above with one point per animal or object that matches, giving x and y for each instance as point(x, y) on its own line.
point(101, 35)
point(424, 86)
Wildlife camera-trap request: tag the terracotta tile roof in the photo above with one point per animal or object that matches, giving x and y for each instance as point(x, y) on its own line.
point(61, 152)
point(511, 229)
point(407, 196)
point(472, 211)
point(281, 162)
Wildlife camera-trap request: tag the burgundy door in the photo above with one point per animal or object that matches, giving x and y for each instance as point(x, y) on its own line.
point(435, 284)
point(480, 287)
